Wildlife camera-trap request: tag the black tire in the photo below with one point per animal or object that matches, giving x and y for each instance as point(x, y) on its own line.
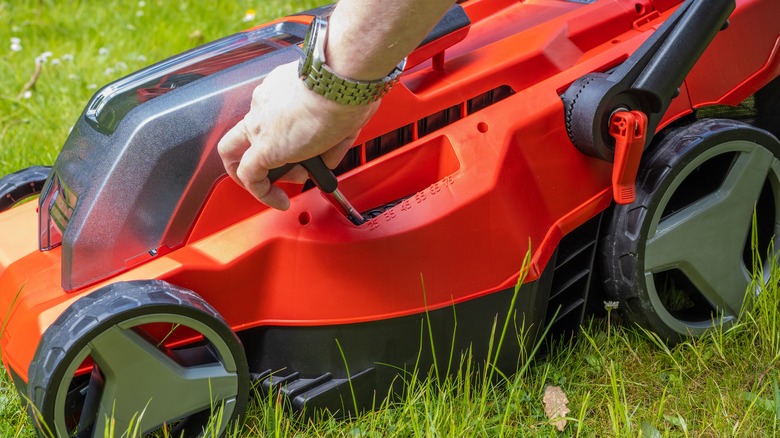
point(768, 107)
point(18, 186)
point(679, 259)
point(128, 327)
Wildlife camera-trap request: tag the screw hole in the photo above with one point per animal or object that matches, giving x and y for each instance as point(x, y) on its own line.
point(304, 218)
point(640, 8)
point(482, 127)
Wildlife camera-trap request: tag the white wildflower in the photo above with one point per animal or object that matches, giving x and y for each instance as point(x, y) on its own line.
point(16, 45)
point(120, 66)
point(67, 57)
point(611, 305)
point(141, 4)
point(141, 58)
point(27, 94)
point(130, 26)
point(55, 61)
point(109, 71)
point(42, 58)
point(139, 13)
point(91, 86)
point(73, 77)
point(103, 51)
point(16, 40)
point(249, 16)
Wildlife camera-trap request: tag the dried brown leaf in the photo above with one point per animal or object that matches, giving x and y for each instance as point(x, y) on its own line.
point(555, 406)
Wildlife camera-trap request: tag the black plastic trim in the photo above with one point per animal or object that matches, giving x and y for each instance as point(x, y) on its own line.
point(306, 364)
point(453, 20)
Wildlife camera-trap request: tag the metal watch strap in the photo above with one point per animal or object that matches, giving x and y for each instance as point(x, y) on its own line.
point(346, 91)
point(319, 78)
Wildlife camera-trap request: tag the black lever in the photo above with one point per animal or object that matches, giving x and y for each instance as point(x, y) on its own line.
point(323, 178)
point(326, 181)
point(647, 81)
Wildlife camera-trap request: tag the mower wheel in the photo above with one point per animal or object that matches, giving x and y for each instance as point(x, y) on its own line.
point(768, 107)
point(137, 358)
point(679, 259)
point(18, 186)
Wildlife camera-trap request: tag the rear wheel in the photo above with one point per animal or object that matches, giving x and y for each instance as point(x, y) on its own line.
point(19, 186)
point(768, 107)
point(145, 356)
point(679, 259)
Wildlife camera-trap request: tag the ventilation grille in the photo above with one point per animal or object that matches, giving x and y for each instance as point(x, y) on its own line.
point(386, 143)
point(572, 278)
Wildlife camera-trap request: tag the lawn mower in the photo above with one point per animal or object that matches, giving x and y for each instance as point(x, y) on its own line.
point(627, 147)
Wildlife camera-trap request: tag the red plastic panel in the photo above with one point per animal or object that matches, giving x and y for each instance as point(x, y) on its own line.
point(737, 53)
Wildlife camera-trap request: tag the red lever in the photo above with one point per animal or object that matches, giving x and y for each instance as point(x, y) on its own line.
point(629, 129)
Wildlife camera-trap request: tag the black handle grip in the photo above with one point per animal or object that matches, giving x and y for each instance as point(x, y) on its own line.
point(454, 19)
point(322, 176)
point(275, 174)
point(678, 53)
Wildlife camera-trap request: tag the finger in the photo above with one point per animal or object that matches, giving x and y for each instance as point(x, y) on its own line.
point(257, 183)
point(232, 147)
point(275, 198)
point(252, 171)
point(295, 175)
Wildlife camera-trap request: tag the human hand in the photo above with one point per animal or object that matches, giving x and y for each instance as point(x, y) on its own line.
point(288, 123)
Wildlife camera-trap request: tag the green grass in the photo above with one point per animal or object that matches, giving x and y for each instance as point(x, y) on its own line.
point(107, 40)
point(620, 380)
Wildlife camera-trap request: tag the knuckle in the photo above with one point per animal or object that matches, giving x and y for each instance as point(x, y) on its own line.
point(223, 147)
point(249, 128)
point(243, 174)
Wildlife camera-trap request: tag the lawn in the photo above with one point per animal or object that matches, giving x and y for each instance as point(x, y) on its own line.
point(619, 380)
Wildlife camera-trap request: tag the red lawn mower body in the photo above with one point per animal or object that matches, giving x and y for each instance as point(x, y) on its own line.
point(465, 168)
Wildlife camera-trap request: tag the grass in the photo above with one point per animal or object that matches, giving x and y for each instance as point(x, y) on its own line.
point(620, 382)
point(93, 43)
point(619, 379)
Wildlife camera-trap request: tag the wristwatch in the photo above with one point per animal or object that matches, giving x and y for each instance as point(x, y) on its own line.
point(319, 78)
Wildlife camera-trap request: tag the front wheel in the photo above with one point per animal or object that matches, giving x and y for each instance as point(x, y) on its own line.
point(19, 186)
point(680, 258)
point(141, 356)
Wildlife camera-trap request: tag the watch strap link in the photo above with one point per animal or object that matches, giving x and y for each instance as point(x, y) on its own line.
point(346, 91)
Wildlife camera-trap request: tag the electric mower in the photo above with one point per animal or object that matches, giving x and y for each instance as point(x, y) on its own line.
point(627, 146)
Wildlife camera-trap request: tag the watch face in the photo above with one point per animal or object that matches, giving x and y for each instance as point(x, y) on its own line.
point(308, 48)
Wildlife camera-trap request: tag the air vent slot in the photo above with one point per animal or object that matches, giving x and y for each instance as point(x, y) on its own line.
point(376, 147)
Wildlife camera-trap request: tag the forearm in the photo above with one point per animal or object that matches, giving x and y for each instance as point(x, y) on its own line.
point(367, 38)
point(289, 122)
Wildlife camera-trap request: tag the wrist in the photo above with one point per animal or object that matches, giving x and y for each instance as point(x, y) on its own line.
point(343, 59)
point(320, 77)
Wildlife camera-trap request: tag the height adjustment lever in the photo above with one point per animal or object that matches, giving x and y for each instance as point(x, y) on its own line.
point(647, 81)
point(326, 181)
point(629, 129)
